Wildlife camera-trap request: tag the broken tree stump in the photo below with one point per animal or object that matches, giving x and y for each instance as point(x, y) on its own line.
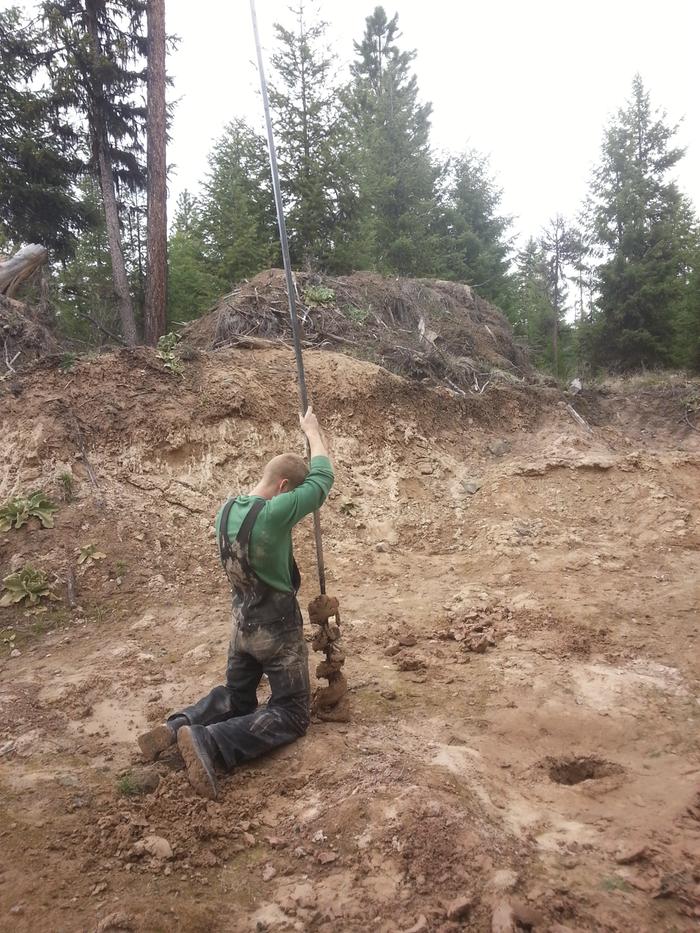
point(20, 267)
point(329, 703)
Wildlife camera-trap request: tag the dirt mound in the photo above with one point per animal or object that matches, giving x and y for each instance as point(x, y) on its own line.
point(421, 328)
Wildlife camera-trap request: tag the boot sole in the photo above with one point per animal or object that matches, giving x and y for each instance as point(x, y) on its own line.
point(198, 774)
point(156, 741)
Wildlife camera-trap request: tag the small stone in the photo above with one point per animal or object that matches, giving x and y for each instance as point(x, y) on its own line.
point(269, 872)
point(459, 908)
point(249, 839)
point(391, 651)
point(381, 547)
point(325, 858)
point(498, 447)
point(408, 640)
point(408, 663)
point(389, 694)
point(116, 922)
point(158, 847)
point(471, 486)
point(504, 880)
point(419, 926)
point(633, 853)
point(15, 653)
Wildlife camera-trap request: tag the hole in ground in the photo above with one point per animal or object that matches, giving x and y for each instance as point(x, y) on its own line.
point(573, 770)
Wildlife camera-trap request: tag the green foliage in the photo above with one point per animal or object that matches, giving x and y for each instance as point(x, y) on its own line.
point(167, 353)
point(394, 170)
point(318, 295)
point(67, 362)
point(19, 509)
point(88, 554)
point(312, 137)
point(358, 315)
point(238, 224)
point(474, 244)
point(192, 285)
point(127, 785)
point(28, 584)
point(40, 154)
point(644, 227)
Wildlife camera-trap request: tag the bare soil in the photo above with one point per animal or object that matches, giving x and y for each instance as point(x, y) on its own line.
point(519, 599)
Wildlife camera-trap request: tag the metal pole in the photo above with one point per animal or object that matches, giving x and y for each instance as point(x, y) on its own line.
point(291, 290)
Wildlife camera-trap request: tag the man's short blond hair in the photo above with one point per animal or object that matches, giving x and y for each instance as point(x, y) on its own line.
point(286, 466)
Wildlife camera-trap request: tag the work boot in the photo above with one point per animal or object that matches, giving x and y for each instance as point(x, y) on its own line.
point(157, 740)
point(199, 752)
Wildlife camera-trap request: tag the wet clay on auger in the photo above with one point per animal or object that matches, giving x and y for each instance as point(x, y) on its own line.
point(329, 703)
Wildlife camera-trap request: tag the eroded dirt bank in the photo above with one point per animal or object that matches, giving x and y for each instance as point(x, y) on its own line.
point(520, 606)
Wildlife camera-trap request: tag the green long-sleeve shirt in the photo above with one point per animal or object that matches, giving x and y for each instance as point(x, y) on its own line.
point(270, 550)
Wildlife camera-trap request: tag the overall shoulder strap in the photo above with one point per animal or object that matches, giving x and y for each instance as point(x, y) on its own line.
point(224, 540)
point(243, 536)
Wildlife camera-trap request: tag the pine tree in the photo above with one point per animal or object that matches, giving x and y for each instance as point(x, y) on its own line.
point(395, 172)
point(40, 155)
point(310, 137)
point(643, 224)
point(192, 286)
point(533, 316)
point(474, 246)
point(238, 212)
point(96, 51)
point(560, 247)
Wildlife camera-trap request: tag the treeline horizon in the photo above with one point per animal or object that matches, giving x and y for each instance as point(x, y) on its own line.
point(617, 287)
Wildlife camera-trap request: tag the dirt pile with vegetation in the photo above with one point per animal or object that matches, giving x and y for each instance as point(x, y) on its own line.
point(420, 328)
point(519, 605)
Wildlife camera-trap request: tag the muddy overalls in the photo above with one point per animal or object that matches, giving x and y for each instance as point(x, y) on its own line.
point(266, 638)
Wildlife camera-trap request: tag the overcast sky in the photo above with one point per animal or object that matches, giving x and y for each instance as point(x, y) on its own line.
point(530, 83)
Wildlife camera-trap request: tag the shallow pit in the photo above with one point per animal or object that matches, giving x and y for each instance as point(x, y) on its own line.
point(571, 770)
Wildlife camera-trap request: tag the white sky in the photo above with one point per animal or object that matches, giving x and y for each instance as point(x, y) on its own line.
point(530, 82)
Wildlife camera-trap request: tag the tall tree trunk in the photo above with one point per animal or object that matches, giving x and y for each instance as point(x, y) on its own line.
point(157, 191)
point(109, 198)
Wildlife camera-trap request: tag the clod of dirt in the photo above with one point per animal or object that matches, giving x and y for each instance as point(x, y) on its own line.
point(143, 781)
point(116, 922)
point(420, 926)
point(510, 917)
point(408, 663)
point(156, 846)
point(459, 908)
point(391, 651)
point(408, 641)
point(574, 770)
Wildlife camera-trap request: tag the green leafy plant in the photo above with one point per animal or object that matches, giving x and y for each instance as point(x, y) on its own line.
point(88, 554)
point(127, 786)
point(19, 509)
point(166, 351)
point(67, 362)
point(28, 584)
point(358, 315)
point(318, 295)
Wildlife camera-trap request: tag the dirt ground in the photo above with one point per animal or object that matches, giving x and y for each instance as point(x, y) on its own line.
point(519, 602)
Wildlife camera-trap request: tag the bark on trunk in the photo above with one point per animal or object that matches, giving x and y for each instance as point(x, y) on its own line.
point(120, 280)
point(157, 237)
